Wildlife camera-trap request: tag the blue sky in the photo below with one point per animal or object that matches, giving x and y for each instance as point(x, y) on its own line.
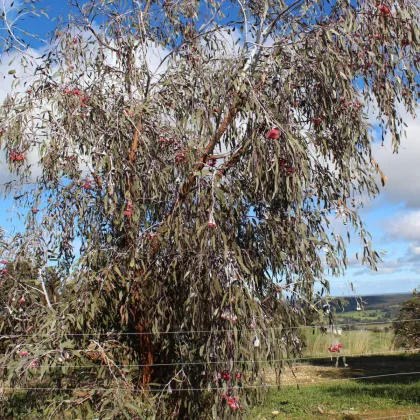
point(394, 222)
point(393, 218)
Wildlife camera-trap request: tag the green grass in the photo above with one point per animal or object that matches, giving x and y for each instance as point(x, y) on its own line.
point(366, 315)
point(349, 398)
point(361, 398)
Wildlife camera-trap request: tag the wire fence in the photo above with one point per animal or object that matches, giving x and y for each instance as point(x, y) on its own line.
point(279, 328)
point(227, 388)
point(208, 388)
point(226, 362)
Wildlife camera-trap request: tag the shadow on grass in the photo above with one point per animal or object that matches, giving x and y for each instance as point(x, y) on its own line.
point(402, 388)
point(371, 366)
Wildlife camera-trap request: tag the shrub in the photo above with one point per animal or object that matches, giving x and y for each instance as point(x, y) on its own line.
point(407, 326)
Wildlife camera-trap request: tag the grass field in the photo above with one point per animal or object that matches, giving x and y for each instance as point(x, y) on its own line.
point(342, 401)
point(354, 342)
point(369, 330)
point(375, 308)
point(368, 315)
point(334, 397)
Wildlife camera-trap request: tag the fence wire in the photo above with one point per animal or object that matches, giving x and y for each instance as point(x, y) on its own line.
point(219, 362)
point(280, 328)
point(209, 388)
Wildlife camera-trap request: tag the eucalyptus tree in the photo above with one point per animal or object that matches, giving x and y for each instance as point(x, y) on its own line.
point(180, 163)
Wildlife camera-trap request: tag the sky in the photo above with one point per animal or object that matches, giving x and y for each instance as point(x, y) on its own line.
point(393, 218)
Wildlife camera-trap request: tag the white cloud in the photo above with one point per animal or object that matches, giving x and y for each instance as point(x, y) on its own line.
point(402, 168)
point(408, 262)
point(383, 268)
point(414, 251)
point(366, 286)
point(404, 227)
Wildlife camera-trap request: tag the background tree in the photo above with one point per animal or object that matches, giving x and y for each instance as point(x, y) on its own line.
point(407, 325)
point(187, 203)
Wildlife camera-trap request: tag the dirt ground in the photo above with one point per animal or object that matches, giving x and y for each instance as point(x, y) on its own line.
point(325, 369)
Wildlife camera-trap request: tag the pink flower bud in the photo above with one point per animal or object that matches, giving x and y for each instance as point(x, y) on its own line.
point(273, 134)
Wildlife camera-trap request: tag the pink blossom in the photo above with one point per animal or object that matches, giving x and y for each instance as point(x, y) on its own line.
point(273, 134)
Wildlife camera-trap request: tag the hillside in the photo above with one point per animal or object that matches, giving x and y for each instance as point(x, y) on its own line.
point(376, 308)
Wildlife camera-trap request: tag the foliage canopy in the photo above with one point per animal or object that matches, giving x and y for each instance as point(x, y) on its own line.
point(407, 327)
point(180, 163)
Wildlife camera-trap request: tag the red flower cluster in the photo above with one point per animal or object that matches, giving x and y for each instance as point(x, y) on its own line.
point(180, 157)
point(233, 402)
point(384, 10)
point(273, 134)
point(163, 141)
point(16, 156)
point(230, 317)
point(287, 167)
point(225, 375)
point(129, 209)
point(211, 223)
point(76, 92)
point(336, 348)
point(212, 162)
point(355, 104)
point(87, 185)
point(34, 364)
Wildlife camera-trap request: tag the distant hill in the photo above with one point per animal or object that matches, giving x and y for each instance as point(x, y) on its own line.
point(376, 308)
point(377, 301)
